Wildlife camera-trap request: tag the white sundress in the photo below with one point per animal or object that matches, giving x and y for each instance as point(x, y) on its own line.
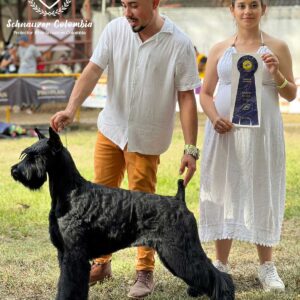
point(242, 183)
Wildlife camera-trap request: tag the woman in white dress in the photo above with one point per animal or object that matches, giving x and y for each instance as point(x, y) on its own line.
point(242, 189)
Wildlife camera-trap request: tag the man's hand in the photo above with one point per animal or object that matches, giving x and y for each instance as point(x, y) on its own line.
point(60, 120)
point(189, 162)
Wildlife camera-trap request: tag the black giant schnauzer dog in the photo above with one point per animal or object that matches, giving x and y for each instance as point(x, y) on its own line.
point(89, 220)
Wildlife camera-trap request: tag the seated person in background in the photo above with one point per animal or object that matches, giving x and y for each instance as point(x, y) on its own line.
point(8, 62)
point(201, 63)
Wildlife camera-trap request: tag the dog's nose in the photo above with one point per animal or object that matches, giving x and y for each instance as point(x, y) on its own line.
point(14, 172)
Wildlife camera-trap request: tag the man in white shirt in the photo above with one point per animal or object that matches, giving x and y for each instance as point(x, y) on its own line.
point(151, 65)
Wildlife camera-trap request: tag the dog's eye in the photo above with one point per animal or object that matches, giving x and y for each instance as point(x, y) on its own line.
point(30, 155)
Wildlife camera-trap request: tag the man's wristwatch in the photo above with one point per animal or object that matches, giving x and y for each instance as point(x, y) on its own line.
point(191, 150)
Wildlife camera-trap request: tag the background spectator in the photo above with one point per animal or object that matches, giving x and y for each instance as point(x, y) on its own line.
point(28, 56)
point(8, 62)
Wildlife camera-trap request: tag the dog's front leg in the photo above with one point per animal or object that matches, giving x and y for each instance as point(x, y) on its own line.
point(60, 256)
point(74, 275)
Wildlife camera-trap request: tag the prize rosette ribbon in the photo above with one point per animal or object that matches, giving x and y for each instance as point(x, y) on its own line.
point(245, 112)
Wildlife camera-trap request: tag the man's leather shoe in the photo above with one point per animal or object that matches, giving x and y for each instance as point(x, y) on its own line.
point(99, 272)
point(143, 286)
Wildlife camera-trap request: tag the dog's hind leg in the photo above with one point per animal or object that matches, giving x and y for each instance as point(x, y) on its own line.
point(190, 267)
point(74, 276)
point(180, 251)
point(197, 271)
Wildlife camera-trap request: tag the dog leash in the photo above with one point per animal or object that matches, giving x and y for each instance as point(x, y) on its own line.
point(66, 137)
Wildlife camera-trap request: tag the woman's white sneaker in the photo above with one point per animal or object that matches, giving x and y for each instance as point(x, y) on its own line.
point(269, 278)
point(221, 267)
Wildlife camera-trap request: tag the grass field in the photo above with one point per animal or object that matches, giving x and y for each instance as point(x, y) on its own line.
point(28, 265)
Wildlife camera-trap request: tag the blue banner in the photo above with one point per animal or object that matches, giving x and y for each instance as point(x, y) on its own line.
point(28, 91)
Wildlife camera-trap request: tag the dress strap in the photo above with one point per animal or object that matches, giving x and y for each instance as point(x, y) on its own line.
point(262, 39)
point(234, 41)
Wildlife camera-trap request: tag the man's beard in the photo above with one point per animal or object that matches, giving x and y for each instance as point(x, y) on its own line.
point(137, 28)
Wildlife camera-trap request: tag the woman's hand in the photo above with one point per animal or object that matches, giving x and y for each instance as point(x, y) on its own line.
point(222, 125)
point(272, 63)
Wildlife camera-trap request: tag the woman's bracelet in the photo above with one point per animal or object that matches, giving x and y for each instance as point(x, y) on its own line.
point(283, 85)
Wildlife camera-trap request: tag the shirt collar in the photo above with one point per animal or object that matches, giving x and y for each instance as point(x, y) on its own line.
point(168, 26)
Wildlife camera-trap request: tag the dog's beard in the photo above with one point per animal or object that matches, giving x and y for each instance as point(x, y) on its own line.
point(31, 176)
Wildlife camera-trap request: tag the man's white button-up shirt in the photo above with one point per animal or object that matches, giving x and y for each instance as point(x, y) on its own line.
point(143, 81)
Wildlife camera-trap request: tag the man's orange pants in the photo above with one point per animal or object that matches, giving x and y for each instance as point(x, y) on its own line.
point(110, 163)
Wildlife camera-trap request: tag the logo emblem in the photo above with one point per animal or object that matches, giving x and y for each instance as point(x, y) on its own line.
point(49, 7)
point(247, 65)
point(42, 8)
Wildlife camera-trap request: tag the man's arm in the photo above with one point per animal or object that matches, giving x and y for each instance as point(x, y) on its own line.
point(5, 62)
point(189, 123)
point(82, 89)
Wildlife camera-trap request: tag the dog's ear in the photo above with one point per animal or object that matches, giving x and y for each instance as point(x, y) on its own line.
point(54, 141)
point(39, 134)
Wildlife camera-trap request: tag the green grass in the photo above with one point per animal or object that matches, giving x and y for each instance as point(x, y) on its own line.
point(28, 265)
point(292, 136)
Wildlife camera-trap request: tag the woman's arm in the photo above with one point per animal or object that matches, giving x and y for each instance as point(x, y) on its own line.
point(220, 124)
point(281, 68)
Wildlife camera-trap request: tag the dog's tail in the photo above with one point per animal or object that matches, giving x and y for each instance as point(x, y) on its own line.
point(181, 191)
point(221, 285)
